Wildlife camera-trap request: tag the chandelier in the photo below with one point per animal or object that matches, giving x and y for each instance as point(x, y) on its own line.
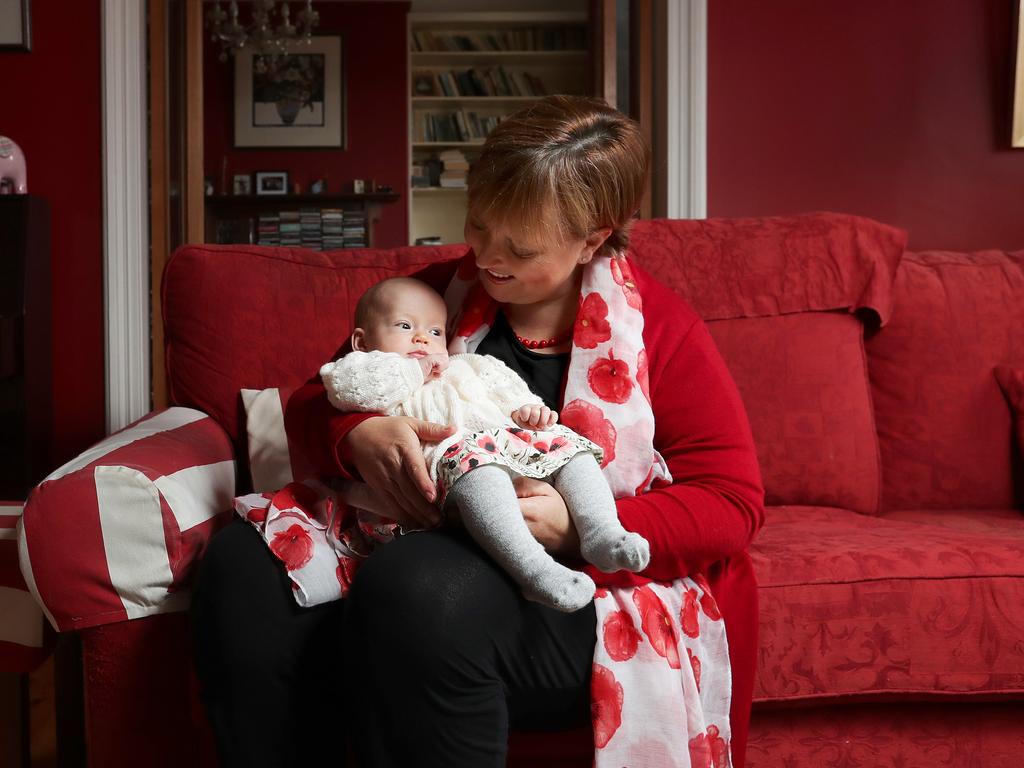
point(260, 35)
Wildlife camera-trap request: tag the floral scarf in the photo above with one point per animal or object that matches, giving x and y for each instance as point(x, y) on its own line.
point(662, 684)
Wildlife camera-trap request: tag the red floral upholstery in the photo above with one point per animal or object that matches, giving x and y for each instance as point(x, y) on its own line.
point(942, 421)
point(895, 735)
point(913, 603)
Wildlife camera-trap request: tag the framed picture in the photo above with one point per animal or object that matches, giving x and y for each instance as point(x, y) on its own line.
point(15, 26)
point(271, 182)
point(241, 184)
point(1017, 138)
point(296, 99)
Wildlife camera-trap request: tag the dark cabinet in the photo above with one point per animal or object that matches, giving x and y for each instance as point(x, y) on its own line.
point(26, 349)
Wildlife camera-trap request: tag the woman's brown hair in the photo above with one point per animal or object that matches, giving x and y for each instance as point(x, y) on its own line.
point(572, 156)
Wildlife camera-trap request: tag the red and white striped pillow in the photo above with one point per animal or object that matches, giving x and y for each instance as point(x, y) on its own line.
point(113, 534)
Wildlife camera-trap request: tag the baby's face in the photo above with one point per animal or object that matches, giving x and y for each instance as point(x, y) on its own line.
point(409, 321)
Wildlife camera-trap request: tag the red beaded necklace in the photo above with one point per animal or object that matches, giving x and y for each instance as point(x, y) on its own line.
point(554, 341)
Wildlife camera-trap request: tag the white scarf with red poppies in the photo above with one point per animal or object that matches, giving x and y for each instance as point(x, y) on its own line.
point(662, 684)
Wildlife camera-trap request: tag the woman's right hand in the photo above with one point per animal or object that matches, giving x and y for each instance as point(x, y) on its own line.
point(387, 452)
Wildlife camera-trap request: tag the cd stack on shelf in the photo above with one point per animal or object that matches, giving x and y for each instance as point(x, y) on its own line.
point(354, 230)
point(268, 231)
point(309, 220)
point(291, 228)
point(331, 221)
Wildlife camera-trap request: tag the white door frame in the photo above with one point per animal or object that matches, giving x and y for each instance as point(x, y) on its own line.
point(687, 110)
point(125, 212)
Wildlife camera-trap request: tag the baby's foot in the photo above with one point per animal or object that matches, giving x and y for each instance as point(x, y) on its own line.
point(616, 549)
point(565, 590)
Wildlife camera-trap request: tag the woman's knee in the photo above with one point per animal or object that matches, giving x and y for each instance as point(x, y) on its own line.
point(429, 594)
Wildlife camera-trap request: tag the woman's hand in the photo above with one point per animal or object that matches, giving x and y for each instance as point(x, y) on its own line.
point(387, 451)
point(547, 517)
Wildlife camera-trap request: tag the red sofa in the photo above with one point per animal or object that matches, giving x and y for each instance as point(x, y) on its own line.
point(891, 566)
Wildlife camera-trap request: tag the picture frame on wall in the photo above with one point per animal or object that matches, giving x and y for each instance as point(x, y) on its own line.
point(271, 182)
point(1017, 136)
point(294, 100)
point(15, 26)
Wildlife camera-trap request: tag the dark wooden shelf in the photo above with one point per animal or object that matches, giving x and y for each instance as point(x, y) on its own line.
point(321, 201)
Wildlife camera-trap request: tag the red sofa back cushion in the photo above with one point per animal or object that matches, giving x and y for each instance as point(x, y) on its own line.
point(244, 317)
point(943, 424)
point(777, 294)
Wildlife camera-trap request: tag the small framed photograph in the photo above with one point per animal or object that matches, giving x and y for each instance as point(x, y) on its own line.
point(241, 184)
point(358, 186)
point(15, 26)
point(271, 182)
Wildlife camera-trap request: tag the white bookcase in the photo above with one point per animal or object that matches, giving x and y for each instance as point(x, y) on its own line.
point(456, 95)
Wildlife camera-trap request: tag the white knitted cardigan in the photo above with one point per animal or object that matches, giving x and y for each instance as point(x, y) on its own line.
point(474, 393)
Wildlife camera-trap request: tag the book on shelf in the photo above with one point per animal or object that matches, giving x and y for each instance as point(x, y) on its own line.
point(452, 125)
point(541, 38)
point(490, 81)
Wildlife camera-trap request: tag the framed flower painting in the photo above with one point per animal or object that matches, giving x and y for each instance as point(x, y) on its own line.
point(295, 99)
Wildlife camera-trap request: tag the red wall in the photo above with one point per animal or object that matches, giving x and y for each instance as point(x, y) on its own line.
point(51, 106)
point(895, 110)
point(375, 62)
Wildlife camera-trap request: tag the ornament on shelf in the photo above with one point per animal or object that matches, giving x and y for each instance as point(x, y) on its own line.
point(13, 176)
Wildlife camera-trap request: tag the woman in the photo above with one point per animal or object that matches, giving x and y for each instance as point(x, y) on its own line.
point(438, 652)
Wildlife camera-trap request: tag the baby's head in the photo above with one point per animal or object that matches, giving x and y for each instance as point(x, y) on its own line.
point(402, 315)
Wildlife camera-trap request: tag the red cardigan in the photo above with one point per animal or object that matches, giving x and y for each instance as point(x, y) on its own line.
point(702, 523)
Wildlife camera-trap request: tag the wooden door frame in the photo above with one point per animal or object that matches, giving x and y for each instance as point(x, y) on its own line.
point(161, 133)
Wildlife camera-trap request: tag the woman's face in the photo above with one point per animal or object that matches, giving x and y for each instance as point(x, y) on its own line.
point(518, 267)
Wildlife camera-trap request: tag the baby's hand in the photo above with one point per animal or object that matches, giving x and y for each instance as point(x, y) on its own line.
point(534, 417)
point(433, 365)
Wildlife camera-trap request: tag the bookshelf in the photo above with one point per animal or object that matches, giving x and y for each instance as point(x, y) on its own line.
point(319, 222)
point(467, 71)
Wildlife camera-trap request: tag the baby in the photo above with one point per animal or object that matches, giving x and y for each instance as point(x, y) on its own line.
point(400, 366)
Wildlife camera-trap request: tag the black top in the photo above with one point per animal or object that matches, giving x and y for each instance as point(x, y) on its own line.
point(543, 373)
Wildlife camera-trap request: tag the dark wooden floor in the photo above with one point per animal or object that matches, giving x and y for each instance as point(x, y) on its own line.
point(33, 710)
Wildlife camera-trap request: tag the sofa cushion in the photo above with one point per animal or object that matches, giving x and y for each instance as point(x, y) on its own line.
point(247, 317)
point(1011, 381)
point(778, 294)
point(272, 463)
point(804, 383)
point(920, 603)
point(727, 268)
point(943, 425)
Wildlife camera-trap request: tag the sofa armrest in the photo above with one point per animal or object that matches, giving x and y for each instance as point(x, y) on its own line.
point(114, 533)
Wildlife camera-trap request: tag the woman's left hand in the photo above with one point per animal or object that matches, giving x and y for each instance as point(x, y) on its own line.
point(547, 517)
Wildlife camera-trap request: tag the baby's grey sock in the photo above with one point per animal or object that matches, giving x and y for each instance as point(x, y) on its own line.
point(490, 512)
point(603, 540)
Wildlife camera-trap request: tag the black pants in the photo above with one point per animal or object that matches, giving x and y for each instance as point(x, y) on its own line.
point(429, 662)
